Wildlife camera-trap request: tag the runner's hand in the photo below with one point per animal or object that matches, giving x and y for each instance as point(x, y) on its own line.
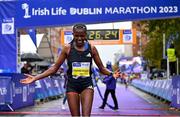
point(29, 79)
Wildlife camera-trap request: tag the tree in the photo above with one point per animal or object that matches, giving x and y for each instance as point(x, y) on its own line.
point(154, 29)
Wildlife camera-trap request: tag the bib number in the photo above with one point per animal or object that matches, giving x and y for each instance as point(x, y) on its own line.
point(80, 69)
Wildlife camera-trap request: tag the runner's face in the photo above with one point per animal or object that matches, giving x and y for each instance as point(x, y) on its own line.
point(79, 38)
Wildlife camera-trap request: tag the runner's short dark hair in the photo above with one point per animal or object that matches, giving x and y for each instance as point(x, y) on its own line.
point(79, 28)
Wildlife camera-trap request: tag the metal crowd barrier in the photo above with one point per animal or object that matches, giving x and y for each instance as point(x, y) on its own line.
point(168, 89)
point(13, 94)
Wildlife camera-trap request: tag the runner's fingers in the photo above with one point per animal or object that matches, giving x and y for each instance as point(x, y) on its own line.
point(23, 80)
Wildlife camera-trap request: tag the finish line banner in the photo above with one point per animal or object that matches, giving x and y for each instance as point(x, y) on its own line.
point(67, 12)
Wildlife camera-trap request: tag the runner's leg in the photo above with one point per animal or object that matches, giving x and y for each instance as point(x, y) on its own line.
point(74, 103)
point(87, 101)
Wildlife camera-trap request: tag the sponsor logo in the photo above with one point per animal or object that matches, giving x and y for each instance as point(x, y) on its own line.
point(8, 26)
point(25, 7)
point(88, 55)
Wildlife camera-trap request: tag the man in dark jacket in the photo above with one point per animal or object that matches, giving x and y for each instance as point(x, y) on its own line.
point(110, 82)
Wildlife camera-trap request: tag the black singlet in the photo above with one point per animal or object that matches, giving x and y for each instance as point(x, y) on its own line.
point(79, 69)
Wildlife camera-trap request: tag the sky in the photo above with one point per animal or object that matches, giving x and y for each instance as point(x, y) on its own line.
point(106, 52)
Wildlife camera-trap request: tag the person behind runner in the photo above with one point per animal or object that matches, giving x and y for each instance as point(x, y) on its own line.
point(110, 82)
point(79, 54)
point(64, 75)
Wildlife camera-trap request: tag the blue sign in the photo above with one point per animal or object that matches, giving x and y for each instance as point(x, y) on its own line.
point(32, 34)
point(68, 36)
point(68, 12)
point(176, 92)
point(5, 90)
point(127, 36)
point(8, 42)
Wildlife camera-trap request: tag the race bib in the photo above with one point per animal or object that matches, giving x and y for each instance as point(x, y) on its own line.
point(80, 69)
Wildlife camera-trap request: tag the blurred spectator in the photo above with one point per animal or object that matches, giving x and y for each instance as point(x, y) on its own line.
point(27, 68)
point(63, 74)
point(125, 79)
